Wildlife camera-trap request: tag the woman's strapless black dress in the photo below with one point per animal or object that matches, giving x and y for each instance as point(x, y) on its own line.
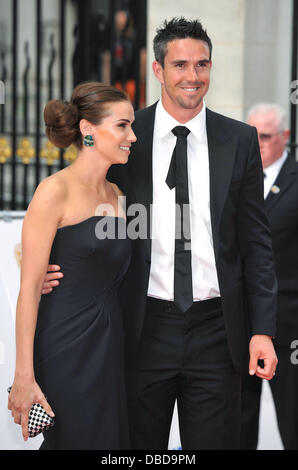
point(79, 339)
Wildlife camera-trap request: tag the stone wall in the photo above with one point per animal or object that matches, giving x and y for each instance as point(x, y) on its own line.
point(251, 50)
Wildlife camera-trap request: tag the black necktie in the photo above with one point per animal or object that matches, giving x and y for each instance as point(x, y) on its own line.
point(177, 177)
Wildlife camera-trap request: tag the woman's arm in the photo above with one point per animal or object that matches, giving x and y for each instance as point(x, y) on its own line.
point(39, 229)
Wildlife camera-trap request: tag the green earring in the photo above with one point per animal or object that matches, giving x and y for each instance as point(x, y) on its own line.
point(88, 141)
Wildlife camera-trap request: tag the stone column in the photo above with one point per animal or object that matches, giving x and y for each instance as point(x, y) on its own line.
point(267, 58)
point(251, 50)
point(225, 24)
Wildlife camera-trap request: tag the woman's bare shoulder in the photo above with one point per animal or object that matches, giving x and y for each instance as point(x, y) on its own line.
point(53, 188)
point(49, 198)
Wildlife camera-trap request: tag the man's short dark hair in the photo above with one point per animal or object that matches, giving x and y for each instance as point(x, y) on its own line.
point(178, 28)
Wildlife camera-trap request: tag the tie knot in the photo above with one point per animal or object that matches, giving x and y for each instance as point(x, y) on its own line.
point(180, 130)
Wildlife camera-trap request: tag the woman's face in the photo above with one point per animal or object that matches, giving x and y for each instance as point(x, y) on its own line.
point(114, 136)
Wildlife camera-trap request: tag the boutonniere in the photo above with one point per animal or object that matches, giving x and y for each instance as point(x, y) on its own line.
point(275, 189)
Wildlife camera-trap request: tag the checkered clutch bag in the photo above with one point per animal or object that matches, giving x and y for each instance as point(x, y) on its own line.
point(39, 421)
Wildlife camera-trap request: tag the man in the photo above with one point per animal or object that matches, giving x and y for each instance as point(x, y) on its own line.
point(184, 310)
point(281, 199)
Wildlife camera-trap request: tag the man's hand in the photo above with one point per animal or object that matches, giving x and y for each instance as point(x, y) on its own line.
point(261, 347)
point(50, 279)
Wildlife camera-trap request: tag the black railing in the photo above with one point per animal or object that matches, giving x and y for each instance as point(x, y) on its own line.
point(107, 43)
point(294, 74)
point(47, 65)
point(14, 101)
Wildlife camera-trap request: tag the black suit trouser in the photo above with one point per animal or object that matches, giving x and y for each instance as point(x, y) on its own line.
point(284, 385)
point(284, 388)
point(184, 357)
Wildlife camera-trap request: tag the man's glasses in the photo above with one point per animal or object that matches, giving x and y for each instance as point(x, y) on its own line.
point(266, 137)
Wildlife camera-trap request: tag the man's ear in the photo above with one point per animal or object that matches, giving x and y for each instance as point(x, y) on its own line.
point(286, 135)
point(158, 71)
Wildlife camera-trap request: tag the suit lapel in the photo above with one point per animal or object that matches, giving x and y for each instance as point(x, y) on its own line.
point(222, 147)
point(142, 167)
point(284, 179)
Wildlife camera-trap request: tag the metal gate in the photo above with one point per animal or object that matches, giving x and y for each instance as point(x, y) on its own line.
point(46, 48)
point(294, 74)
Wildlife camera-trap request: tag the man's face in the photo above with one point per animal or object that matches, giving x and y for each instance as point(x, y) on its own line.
point(271, 139)
point(185, 76)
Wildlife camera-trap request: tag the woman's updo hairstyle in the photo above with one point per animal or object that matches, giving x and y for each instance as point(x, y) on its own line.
point(89, 101)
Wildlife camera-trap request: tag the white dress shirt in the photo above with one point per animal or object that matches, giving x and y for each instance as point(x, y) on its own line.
point(204, 275)
point(272, 172)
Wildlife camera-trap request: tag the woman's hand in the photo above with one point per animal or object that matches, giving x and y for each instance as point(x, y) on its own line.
point(20, 400)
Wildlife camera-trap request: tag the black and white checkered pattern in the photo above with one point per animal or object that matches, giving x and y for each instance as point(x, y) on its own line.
point(38, 421)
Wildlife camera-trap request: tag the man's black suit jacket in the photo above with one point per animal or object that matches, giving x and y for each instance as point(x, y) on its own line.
point(282, 210)
point(241, 238)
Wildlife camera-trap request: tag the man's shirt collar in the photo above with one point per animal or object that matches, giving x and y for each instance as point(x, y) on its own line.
point(165, 122)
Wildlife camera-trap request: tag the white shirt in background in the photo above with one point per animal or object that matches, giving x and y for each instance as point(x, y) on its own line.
point(271, 173)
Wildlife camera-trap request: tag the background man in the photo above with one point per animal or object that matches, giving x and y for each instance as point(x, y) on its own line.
point(281, 200)
point(185, 310)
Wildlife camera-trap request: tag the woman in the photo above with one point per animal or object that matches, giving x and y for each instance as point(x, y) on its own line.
point(70, 345)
